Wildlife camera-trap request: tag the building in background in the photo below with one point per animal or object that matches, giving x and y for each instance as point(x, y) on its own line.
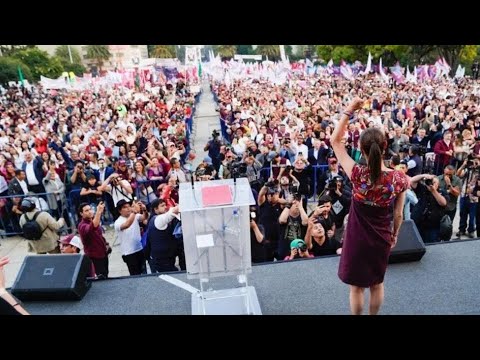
point(123, 56)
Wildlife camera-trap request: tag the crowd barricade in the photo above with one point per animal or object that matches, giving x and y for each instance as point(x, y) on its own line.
point(55, 204)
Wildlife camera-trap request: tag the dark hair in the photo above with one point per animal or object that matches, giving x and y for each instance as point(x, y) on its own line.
point(80, 208)
point(156, 203)
point(324, 199)
point(372, 141)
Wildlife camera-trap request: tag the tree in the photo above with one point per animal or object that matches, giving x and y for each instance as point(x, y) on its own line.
point(272, 51)
point(163, 51)
point(245, 50)
point(9, 70)
point(62, 53)
point(454, 54)
point(9, 50)
point(77, 69)
point(40, 63)
point(99, 53)
point(226, 51)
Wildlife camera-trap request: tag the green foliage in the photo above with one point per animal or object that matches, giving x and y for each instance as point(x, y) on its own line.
point(9, 70)
point(99, 53)
point(78, 69)
point(405, 54)
point(272, 51)
point(62, 53)
point(40, 63)
point(163, 51)
point(9, 50)
point(245, 50)
point(225, 51)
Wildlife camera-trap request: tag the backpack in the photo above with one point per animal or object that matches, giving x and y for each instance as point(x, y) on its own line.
point(31, 229)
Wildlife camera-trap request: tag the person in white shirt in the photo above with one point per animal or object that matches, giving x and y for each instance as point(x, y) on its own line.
point(127, 230)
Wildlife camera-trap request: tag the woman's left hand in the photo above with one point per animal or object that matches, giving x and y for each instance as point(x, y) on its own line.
point(394, 240)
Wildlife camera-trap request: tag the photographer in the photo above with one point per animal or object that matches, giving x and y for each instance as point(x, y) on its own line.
point(332, 172)
point(430, 208)
point(301, 172)
point(257, 235)
point(286, 151)
point(252, 171)
point(341, 197)
point(118, 188)
point(293, 224)
point(213, 148)
point(469, 173)
point(270, 210)
point(298, 250)
point(288, 188)
point(205, 170)
point(277, 166)
point(451, 185)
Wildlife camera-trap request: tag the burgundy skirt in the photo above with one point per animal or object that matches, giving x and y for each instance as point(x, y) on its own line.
point(366, 245)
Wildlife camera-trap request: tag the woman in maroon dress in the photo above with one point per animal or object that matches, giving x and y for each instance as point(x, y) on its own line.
point(378, 193)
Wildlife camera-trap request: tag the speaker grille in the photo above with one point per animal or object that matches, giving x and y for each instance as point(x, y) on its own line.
point(52, 277)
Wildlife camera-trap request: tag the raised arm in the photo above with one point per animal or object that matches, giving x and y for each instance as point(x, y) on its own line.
point(336, 139)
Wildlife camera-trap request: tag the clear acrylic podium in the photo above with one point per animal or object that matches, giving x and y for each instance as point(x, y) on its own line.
point(217, 244)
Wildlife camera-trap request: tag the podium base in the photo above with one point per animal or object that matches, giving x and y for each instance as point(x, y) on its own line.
point(237, 301)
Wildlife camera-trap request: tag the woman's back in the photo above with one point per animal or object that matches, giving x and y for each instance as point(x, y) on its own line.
point(383, 193)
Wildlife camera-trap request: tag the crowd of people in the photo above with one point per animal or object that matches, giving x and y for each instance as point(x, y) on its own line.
point(280, 137)
point(117, 156)
point(74, 162)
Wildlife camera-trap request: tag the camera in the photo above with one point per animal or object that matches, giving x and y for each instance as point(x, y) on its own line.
point(302, 247)
point(470, 162)
point(428, 182)
point(238, 169)
point(215, 134)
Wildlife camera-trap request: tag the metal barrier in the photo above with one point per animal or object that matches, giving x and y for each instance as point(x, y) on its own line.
point(48, 202)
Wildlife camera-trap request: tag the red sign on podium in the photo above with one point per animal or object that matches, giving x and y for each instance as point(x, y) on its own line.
point(217, 195)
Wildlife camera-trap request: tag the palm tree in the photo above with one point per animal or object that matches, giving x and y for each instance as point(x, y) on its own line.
point(272, 51)
point(62, 52)
point(163, 51)
point(99, 53)
point(226, 51)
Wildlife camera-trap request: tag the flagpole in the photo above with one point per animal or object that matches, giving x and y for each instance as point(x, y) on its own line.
point(70, 54)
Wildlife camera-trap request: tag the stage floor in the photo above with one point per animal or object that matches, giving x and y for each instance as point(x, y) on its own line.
point(445, 281)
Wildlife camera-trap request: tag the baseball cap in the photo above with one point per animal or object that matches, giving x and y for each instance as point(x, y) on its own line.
point(297, 244)
point(208, 160)
point(72, 240)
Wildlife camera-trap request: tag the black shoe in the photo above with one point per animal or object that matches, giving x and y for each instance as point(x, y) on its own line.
point(460, 233)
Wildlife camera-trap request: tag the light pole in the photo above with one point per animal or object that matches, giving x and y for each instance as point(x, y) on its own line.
point(70, 54)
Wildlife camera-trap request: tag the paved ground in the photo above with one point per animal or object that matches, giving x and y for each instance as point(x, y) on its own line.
point(205, 121)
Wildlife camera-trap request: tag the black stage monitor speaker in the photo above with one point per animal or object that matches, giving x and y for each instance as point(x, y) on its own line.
point(410, 246)
point(53, 277)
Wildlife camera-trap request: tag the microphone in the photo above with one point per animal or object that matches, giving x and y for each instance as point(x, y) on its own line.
point(193, 182)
